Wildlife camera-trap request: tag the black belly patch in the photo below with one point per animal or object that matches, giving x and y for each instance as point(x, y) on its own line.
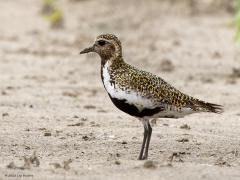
point(132, 109)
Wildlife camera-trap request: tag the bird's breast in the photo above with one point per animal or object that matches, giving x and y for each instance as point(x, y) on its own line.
point(123, 93)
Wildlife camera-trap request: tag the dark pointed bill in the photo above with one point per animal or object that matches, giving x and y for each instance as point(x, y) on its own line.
point(87, 50)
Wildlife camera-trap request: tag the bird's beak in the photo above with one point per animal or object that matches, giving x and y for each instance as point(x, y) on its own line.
point(87, 50)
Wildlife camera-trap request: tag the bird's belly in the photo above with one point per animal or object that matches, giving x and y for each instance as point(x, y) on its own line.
point(161, 111)
point(135, 108)
point(136, 105)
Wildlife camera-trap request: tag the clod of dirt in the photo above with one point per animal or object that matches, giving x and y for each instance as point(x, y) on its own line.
point(27, 148)
point(47, 134)
point(231, 81)
point(85, 138)
point(76, 124)
point(93, 92)
point(222, 162)
point(124, 142)
point(235, 153)
point(102, 111)
point(118, 155)
point(176, 42)
point(83, 119)
point(235, 73)
point(11, 165)
point(117, 162)
point(150, 164)
point(42, 129)
point(176, 156)
point(93, 124)
point(167, 66)
point(34, 159)
point(207, 80)
point(185, 126)
point(4, 93)
point(198, 143)
point(89, 107)
point(5, 114)
point(66, 164)
point(28, 162)
point(217, 55)
point(47, 9)
point(59, 131)
point(10, 88)
point(56, 165)
point(88, 137)
point(190, 78)
point(183, 140)
point(71, 94)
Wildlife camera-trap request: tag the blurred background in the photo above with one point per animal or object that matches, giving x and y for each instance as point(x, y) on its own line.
point(40, 40)
point(47, 88)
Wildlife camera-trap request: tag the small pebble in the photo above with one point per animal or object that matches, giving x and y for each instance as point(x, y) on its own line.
point(124, 142)
point(5, 114)
point(150, 164)
point(183, 140)
point(90, 107)
point(185, 126)
point(47, 134)
point(85, 138)
point(4, 93)
point(117, 162)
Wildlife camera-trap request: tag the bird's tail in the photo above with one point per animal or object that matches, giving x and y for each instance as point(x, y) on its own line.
point(199, 105)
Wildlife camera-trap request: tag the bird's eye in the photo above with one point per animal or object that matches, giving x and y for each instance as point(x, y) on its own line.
point(101, 42)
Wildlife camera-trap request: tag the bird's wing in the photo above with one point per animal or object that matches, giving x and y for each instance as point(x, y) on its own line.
point(155, 89)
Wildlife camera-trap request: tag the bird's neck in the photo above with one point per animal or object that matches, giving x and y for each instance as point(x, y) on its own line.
point(111, 65)
point(112, 61)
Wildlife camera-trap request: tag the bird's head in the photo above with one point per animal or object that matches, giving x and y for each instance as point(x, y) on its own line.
point(107, 46)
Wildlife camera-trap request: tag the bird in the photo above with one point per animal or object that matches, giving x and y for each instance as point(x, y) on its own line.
point(139, 93)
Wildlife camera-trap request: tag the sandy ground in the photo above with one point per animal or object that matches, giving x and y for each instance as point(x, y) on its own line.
point(52, 101)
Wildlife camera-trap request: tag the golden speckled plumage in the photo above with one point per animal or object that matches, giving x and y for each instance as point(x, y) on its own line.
point(151, 86)
point(140, 93)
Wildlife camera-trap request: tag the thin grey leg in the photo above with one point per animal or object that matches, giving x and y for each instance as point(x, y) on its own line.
point(145, 156)
point(143, 143)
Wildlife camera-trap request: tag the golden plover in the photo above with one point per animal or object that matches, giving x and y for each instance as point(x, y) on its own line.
point(139, 93)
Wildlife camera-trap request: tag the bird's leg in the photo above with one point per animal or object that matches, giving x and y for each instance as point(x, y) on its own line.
point(145, 156)
point(144, 141)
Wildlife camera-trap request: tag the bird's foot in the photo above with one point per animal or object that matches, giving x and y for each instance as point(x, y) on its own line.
point(142, 157)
